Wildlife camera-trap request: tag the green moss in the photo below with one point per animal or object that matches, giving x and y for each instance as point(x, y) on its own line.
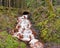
point(22, 45)
point(7, 41)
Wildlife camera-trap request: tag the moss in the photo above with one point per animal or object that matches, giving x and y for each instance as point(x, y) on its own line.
point(7, 41)
point(22, 45)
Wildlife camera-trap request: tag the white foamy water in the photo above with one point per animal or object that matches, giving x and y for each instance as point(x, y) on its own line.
point(25, 33)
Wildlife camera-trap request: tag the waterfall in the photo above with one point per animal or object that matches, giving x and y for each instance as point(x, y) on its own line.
point(25, 32)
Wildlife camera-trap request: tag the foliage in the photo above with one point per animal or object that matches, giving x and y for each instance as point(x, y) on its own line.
point(48, 24)
point(9, 19)
point(7, 41)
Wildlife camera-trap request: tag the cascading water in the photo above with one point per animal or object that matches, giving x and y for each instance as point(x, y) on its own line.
point(25, 33)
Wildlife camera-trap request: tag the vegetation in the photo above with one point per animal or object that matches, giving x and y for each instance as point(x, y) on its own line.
point(7, 41)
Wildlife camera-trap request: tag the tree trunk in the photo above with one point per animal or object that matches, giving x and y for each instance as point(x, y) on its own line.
point(50, 6)
point(0, 2)
point(9, 1)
